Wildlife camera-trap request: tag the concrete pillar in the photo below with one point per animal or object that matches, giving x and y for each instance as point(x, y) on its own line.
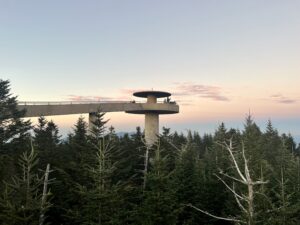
point(92, 118)
point(151, 99)
point(151, 128)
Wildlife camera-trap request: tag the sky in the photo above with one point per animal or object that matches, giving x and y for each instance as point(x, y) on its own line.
point(219, 59)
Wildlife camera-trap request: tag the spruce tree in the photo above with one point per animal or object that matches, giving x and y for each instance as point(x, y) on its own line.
point(186, 182)
point(23, 202)
point(158, 207)
point(46, 142)
point(100, 197)
point(12, 127)
point(97, 128)
point(46, 136)
point(14, 132)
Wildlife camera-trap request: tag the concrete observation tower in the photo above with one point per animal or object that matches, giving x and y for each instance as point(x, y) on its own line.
point(152, 109)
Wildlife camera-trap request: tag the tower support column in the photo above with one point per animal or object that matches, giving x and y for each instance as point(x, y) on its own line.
point(151, 128)
point(92, 118)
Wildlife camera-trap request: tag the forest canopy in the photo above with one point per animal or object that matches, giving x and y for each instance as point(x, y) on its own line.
point(231, 176)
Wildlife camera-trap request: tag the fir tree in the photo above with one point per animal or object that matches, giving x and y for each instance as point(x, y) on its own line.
point(158, 200)
point(14, 132)
point(97, 127)
point(22, 201)
point(100, 197)
point(12, 127)
point(46, 136)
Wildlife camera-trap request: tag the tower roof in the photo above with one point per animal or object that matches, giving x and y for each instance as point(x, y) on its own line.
point(157, 94)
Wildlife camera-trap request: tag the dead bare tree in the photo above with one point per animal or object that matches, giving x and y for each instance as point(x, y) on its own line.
point(44, 201)
point(245, 201)
point(146, 161)
point(145, 172)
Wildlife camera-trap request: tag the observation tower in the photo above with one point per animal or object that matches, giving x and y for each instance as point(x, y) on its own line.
point(152, 109)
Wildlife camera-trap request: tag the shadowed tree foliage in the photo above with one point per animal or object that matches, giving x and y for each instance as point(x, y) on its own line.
point(12, 127)
point(22, 202)
point(14, 132)
point(159, 202)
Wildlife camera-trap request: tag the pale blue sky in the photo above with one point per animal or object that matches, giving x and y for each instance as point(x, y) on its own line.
point(248, 49)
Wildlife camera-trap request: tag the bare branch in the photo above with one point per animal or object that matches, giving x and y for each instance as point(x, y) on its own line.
point(231, 177)
point(146, 161)
point(174, 146)
point(238, 201)
point(229, 149)
point(44, 196)
point(216, 217)
point(260, 182)
point(247, 173)
point(229, 188)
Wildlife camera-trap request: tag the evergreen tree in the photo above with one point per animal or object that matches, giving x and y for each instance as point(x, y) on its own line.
point(289, 143)
point(170, 150)
point(97, 128)
point(252, 138)
point(251, 134)
point(101, 199)
point(207, 142)
point(78, 156)
point(46, 136)
point(132, 150)
point(271, 144)
point(22, 201)
point(78, 143)
point(12, 127)
point(283, 188)
point(166, 132)
point(80, 132)
point(14, 132)
point(112, 135)
point(186, 183)
point(158, 207)
point(214, 159)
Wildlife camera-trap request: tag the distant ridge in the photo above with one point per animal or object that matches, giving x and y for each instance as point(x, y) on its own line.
point(122, 133)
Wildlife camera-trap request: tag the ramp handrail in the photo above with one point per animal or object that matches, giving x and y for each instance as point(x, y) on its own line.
point(80, 102)
point(66, 102)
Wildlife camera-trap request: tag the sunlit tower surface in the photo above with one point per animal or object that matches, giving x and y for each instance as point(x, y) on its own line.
point(152, 112)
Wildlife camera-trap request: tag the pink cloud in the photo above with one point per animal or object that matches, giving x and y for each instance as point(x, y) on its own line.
point(95, 98)
point(199, 90)
point(283, 99)
point(180, 92)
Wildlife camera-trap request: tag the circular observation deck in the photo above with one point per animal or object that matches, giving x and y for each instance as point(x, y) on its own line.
point(157, 94)
point(144, 109)
point(160, 108)
point(151, 106)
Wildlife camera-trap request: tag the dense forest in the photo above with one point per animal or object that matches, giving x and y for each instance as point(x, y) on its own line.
point(94, 176)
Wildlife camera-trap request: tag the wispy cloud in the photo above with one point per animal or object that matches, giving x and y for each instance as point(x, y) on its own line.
point(199, 90)
point(93, 98)
point(283, 99)
point(182, 92)
point(122, 95)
